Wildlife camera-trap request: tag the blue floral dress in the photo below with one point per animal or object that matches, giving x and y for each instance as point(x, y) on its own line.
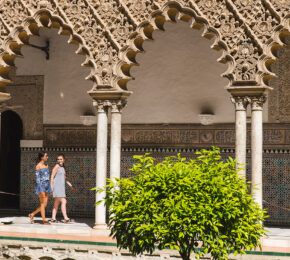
point(42, 181)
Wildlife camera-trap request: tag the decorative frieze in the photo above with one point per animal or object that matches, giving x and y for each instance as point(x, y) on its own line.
point(275, 135)
point(69, 136)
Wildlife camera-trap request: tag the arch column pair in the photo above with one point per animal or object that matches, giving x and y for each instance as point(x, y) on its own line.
point(255, 97)
point(104, 105)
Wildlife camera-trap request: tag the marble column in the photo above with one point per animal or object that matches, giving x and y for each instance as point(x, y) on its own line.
point(101, 167)
point(241, 104)
point(115, 151)
point(257, 147)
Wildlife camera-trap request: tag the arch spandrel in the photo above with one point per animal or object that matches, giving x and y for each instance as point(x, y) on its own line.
point(101, 45)
point(111, 33)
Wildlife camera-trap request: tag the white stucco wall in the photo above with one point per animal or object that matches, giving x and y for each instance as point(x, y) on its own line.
point(178, 78)
point(65, 87)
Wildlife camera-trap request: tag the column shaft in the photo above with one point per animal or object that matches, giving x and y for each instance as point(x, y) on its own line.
point(241, 133)
point(101, 174)
point(115, 152)
point(257, 149)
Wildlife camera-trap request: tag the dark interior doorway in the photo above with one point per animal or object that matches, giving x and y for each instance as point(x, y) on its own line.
point(11, 134)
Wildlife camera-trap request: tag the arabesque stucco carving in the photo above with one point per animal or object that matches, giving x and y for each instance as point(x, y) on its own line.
point(110, 33)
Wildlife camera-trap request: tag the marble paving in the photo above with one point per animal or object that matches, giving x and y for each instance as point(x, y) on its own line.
point(19, 231)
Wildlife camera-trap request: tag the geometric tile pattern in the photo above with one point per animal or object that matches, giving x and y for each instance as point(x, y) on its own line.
point(81, 168)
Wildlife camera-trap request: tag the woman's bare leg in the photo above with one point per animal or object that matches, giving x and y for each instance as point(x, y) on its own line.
point(63, 208)
point(55, 207)
point(40, 197)
point(43, 198)
point(35, 212)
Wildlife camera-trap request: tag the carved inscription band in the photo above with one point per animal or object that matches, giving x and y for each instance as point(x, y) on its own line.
point(275, 135)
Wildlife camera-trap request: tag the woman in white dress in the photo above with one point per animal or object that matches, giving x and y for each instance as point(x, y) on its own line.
point(57, 183)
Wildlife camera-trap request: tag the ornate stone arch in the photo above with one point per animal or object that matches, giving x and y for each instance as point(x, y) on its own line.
point(170, 12)
point(30, 27)
point(20, 34)
point(110, 33)
point(277, 32)
point(243, 29)
point(22, 19)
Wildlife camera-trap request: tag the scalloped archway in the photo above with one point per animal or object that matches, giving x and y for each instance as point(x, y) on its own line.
point(30, 28)
point(171, 13)
point(111, 33)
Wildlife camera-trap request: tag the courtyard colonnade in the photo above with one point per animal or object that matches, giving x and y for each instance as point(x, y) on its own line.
point(111, 34)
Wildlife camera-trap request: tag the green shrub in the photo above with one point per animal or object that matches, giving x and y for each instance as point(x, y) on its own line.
point(184, 204)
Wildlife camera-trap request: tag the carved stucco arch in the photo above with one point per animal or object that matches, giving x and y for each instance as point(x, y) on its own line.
point(260, 47)
point(280, 8)
point(111, 32)
point(30, 27)
point(170, 12)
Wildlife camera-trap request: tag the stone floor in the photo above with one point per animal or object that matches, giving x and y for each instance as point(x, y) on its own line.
point(78, 237)
point(81, 228)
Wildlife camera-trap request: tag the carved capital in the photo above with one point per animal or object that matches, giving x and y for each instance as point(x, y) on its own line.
point(118, 105)
point(240, 102)
point(258, 102)
point(102, 106)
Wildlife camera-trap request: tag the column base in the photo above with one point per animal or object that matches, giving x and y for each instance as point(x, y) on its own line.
point(100, 230)
point(100, 227)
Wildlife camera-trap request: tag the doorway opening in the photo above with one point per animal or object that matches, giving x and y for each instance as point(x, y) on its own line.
point(11, 134)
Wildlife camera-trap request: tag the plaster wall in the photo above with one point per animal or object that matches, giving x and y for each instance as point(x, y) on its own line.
point(178, 78)
point(65, 87)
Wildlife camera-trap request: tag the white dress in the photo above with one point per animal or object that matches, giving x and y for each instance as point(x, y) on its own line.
point(59, 183)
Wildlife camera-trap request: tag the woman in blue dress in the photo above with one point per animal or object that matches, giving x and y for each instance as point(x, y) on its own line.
point(42, 187)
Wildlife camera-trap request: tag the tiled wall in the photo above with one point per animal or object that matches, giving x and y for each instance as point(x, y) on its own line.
point(81, 172)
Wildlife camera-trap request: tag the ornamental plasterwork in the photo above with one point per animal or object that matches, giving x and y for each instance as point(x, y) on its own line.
point(110, 33)
point(241, 103)
point(279, 105)
point(281, 7)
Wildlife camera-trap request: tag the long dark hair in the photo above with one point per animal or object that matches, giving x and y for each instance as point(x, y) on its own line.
point(40, 155)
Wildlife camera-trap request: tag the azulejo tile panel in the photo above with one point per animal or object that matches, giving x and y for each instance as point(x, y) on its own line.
point(81, 168)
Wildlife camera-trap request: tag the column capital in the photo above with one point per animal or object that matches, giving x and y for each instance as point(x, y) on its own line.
point(257, 102)
point(101, 106)
point(118, 105)
point(240, 102)
point(115, 105)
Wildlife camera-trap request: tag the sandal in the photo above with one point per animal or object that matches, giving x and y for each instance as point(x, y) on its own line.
point(31, 218)
point(68, 220)
point(46, 223)
point(53, 221)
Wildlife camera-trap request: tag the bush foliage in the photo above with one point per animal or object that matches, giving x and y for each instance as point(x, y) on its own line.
point(184, 205)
